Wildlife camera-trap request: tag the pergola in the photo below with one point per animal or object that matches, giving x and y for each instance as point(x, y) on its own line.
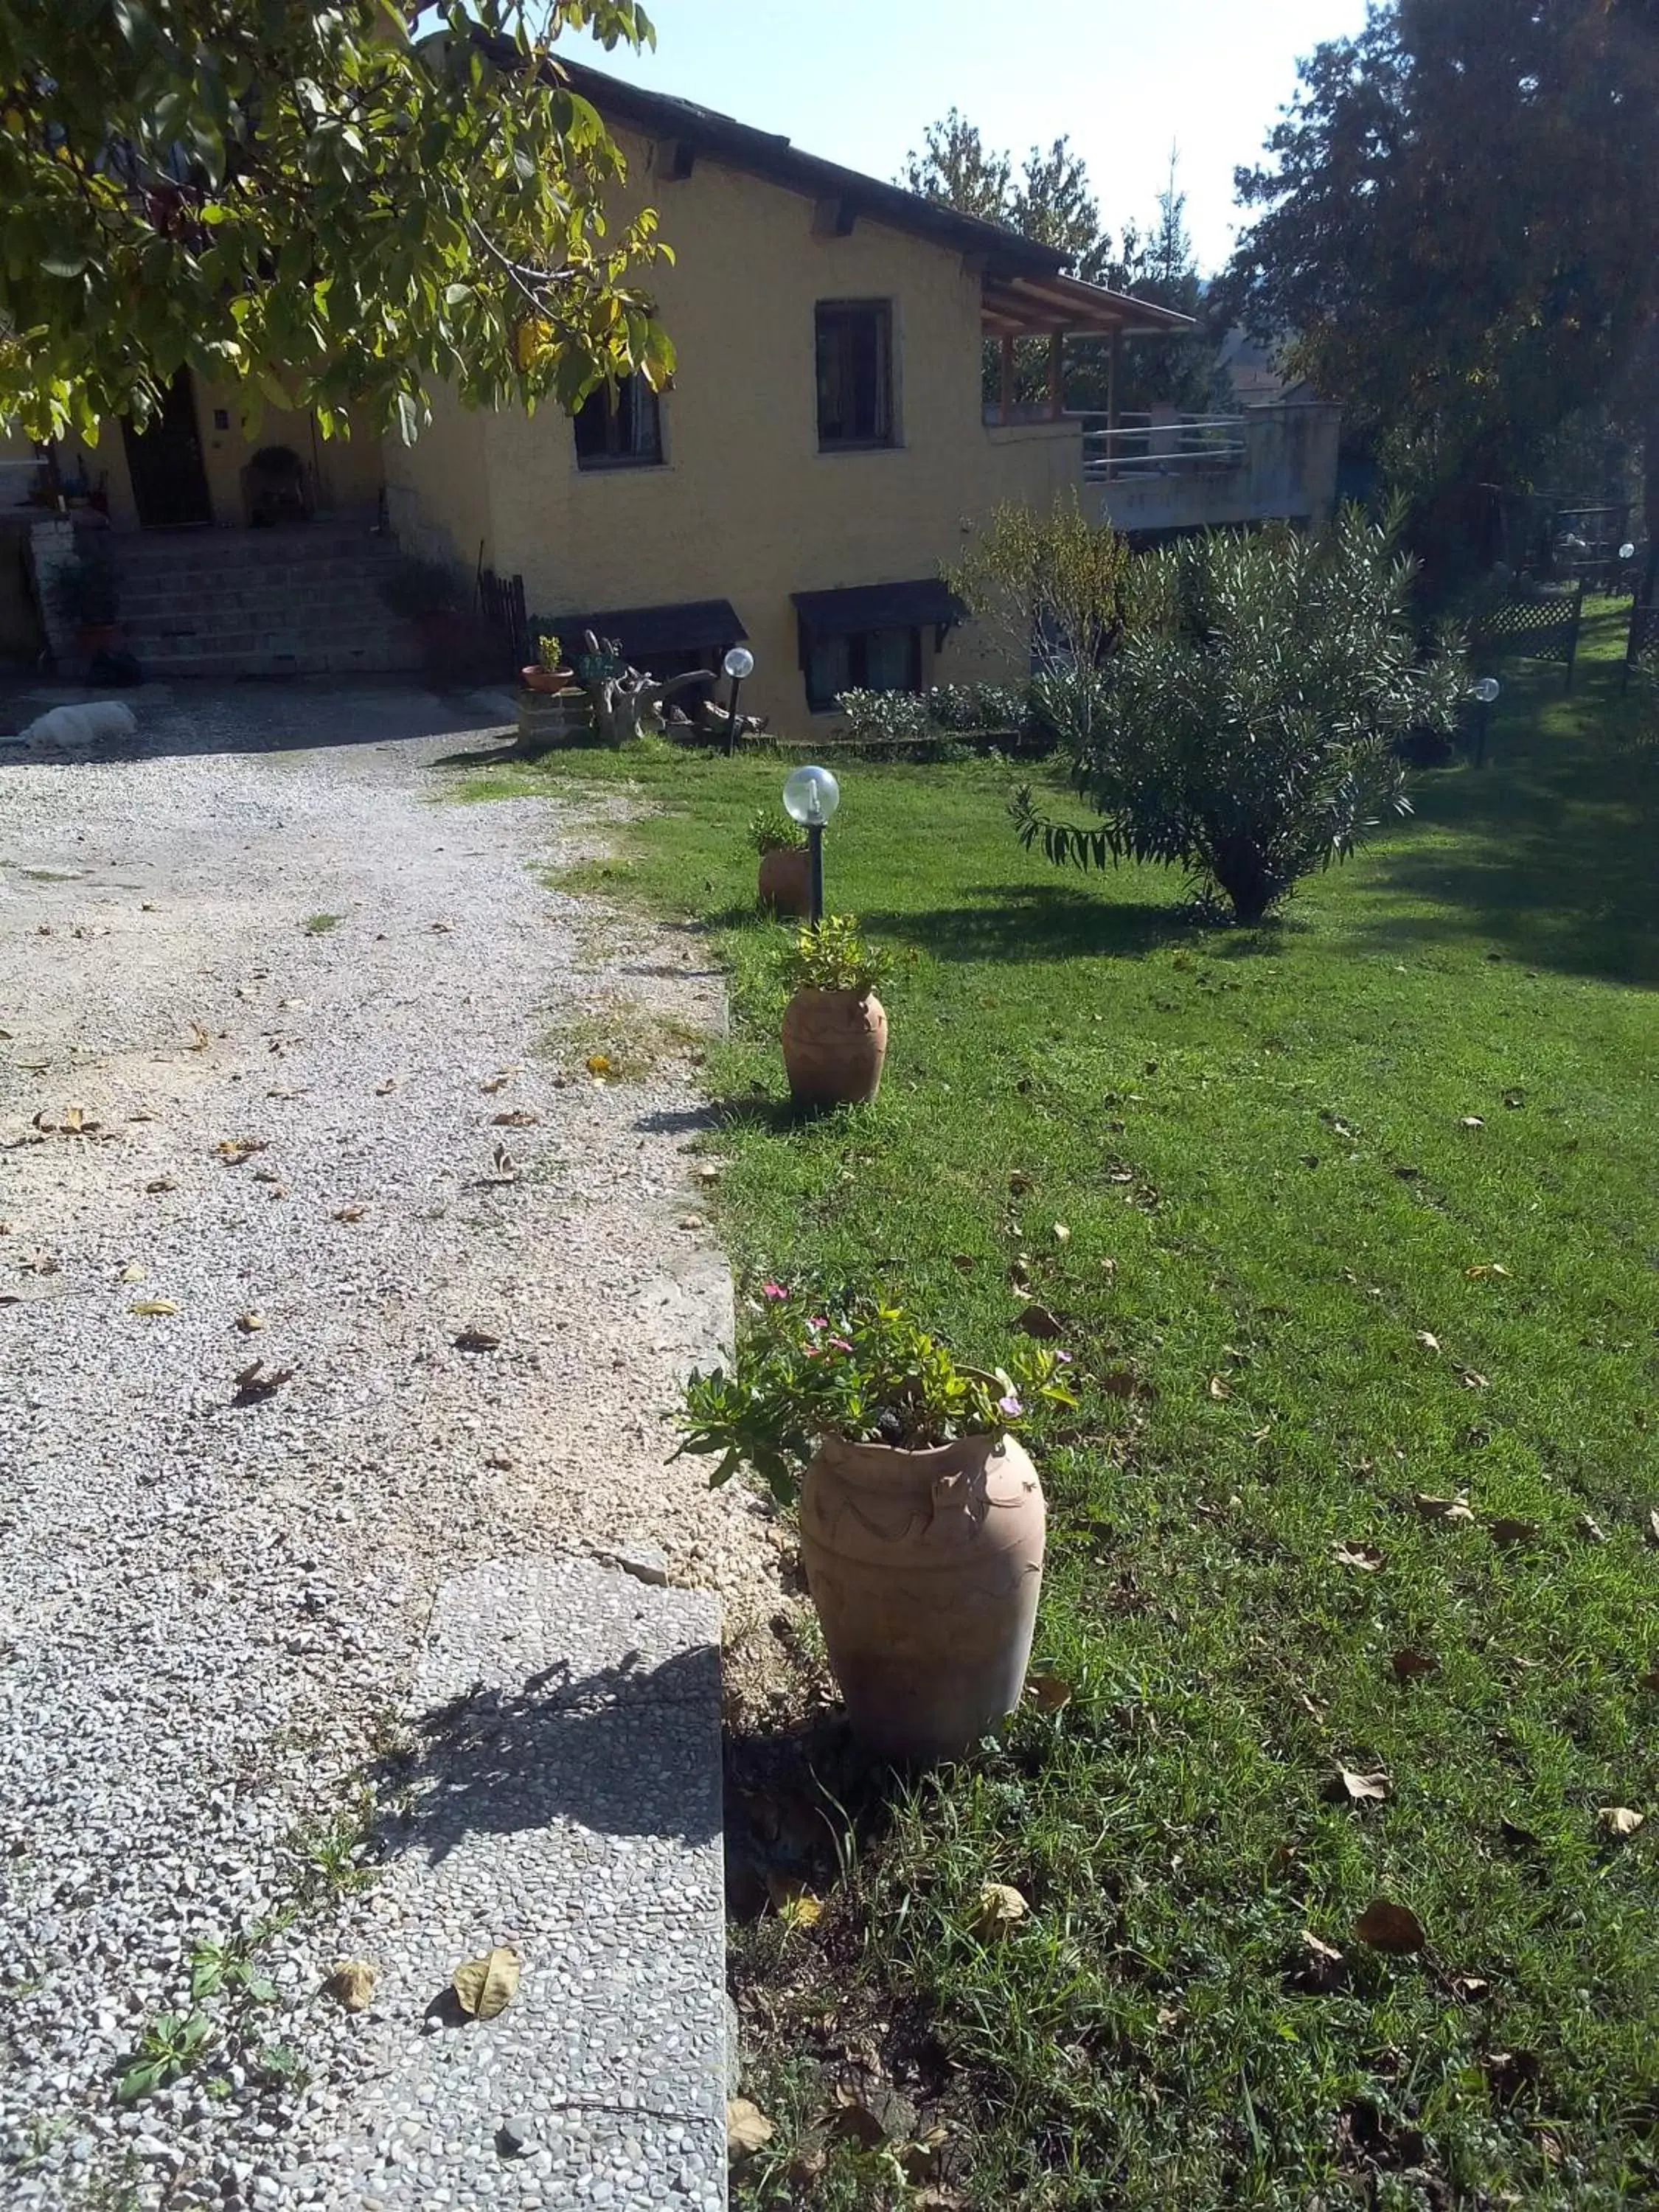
point(1058, 307)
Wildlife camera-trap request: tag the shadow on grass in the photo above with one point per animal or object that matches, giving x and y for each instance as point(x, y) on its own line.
point(1055, 920)
point(1554, 841)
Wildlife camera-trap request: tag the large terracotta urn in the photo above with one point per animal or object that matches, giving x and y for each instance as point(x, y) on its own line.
point(925, 1568)
point(834, 1045)
point(786, 881)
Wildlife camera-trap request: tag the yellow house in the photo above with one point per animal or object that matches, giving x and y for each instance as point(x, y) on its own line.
point(823, 449)
point(823, 452)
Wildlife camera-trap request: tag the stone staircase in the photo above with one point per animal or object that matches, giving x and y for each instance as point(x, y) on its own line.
point(285, 602)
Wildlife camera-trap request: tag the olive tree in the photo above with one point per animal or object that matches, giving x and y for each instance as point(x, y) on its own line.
point(328, 205)
point(1245, 727)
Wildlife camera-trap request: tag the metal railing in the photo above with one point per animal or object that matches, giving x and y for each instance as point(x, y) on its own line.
point(1142, 445)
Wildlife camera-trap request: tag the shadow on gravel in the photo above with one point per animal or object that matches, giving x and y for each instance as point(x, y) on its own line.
point(616, 1751)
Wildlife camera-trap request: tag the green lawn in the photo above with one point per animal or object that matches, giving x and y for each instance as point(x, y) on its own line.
point(1362, 1207)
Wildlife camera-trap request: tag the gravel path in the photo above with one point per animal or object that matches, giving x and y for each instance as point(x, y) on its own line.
point(292, 1139)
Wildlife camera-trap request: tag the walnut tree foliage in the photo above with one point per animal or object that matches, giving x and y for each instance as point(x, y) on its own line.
point(315, 203)
point(1244, 726)
point(1459, 224)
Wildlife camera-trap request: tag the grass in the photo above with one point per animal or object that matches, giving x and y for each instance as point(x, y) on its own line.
point(318, 925)
point(1362, 1208)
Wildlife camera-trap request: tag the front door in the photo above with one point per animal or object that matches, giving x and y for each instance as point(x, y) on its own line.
point(164, 461)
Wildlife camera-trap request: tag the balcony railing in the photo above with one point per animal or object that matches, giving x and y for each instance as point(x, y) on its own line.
point(1150, 446)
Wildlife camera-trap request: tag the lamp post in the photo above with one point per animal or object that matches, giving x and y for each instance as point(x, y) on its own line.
point(738, 662)
point(1483, 694)
point(811, 796)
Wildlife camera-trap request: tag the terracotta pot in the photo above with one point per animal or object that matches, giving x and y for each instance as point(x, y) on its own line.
point(786, 881)
point(834, 1044)
point(925, 1567)
point(545, 679)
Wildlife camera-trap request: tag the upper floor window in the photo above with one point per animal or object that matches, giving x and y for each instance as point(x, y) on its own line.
point(619, 427)
point(855, 372)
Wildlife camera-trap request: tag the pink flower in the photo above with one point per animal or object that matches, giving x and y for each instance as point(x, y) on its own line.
point(809, 1351)
point(1011, 1406)
point(817, 1323)
point(1062, 1360)
point(773, 1290)
point(840, 1344)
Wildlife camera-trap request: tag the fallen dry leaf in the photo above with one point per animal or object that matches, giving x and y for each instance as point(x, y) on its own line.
point(1442, 1509)
point(352, 1984)
point(709, 1172)
point(1428, 1343)
point(256, 1382)
point(486, 1986)
point(1346, 1787)
point(476, 1339)
point(1471, 1380)
point(250, 1323)
point(692, 1221)
point(199, 1039)
point(1019, 1183)
point(1507, 1532)
point(504, 1167)
point(1651, 1534)
point(132, 1273)
point(1486, 1267)
point(1590, 1529)
point(384, 1090)
point(1038, 1321)
point(161, 1306)
point(598, 1063)
point(1366, 1557)
point(852, 2118)
point(1469, 1989)
point(350, 1213)
point(496, 1082)
point(747, 2127)
point(1386, 1926)
point(1319, 1966)
point(442, 928)
point(1470, 1122)
point(233, 1151)
point(1412, 1666)
point(516, 1117)
point(1000, 1911)
point(1618, 1819)
point(1048, 1692)
point(1218, 1388)
point(1062, 1235)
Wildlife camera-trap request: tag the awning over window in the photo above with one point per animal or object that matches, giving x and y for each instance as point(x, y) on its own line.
point(688, 626)
point(928, 603)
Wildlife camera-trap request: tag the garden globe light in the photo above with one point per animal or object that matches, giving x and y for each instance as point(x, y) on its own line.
point(811, 796)
point(738, 662)
point(1483, 693)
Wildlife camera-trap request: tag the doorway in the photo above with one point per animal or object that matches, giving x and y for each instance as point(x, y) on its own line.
point(164, 461)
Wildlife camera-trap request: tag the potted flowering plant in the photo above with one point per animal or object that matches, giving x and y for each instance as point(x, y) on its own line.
point(835, 1027)
point(548, 672)
point(921, 1516)
point(786, 878)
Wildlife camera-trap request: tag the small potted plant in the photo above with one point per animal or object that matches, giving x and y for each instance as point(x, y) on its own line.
point(921, 1516)
point(549, 673)
point(835, 1027)
point(786, 873)
point(87, 593)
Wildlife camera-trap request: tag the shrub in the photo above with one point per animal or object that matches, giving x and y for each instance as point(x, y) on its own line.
point(548, 650)
point(831, 956)
point(772, 830)
point(953, 722)
point(1244, 728)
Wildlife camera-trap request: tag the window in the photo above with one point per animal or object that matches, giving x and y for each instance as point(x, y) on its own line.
point(855, 374)
point(862, 660)
point(619, 427)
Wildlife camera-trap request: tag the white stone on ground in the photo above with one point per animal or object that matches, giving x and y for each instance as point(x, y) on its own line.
point(211, 1613)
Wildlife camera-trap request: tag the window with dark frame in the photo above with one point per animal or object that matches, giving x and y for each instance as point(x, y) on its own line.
point(855, 374)
point(862, 660)
point(619, 427)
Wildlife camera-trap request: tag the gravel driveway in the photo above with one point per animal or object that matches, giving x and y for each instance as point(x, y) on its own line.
point(275, 1088)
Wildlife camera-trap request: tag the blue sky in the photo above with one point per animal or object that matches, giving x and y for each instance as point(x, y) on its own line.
point(858, 80)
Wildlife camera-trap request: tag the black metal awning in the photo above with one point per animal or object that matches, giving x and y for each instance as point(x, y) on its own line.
point(927, 602)
point(687, 626)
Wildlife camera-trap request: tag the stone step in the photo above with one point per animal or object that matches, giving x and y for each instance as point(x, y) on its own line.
point(565, 1804)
